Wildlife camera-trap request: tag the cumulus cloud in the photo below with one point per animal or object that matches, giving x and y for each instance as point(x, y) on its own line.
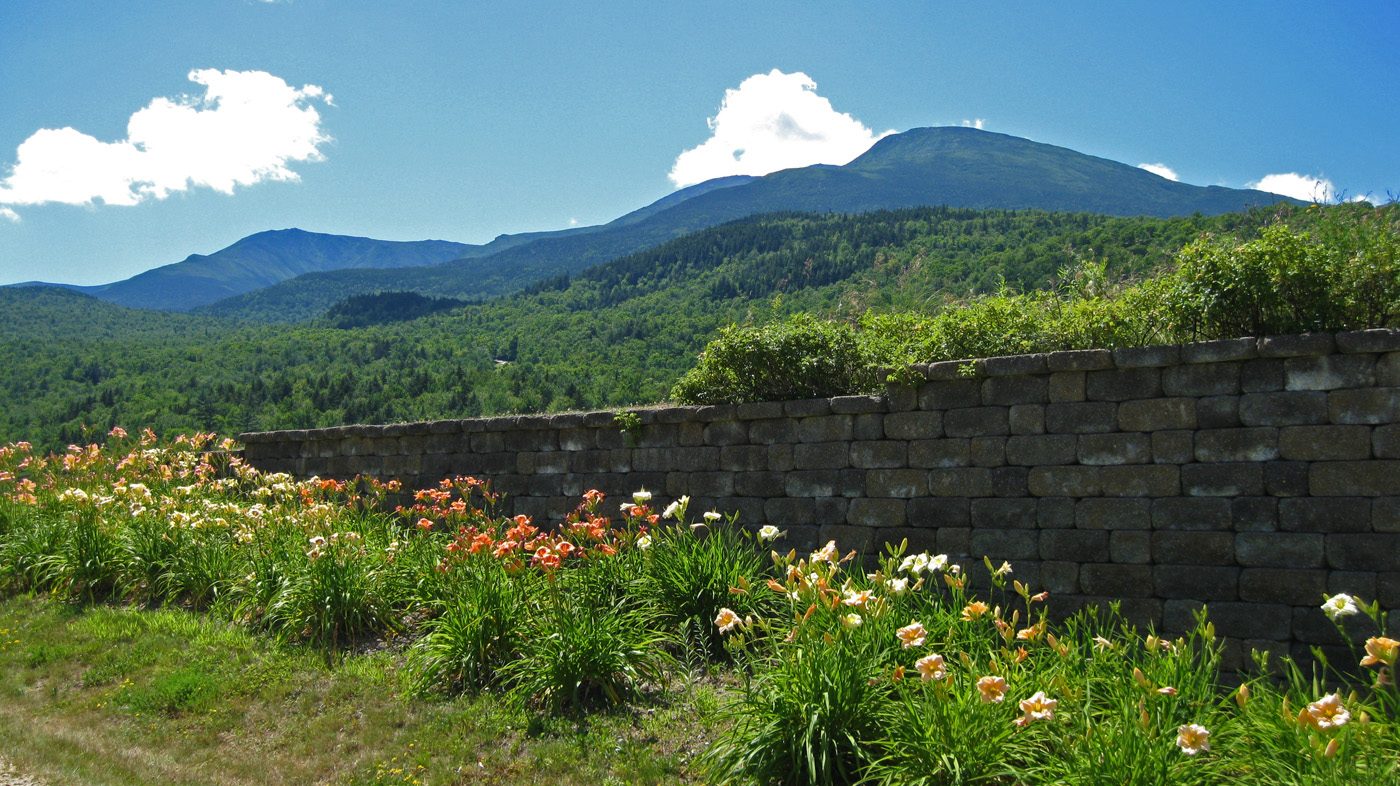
point(773, 121)
point(249, 126)
point(978, 124)
point(1161, 170)
point(1304, 187)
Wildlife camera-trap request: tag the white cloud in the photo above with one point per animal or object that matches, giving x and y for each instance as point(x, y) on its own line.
point(978, 124)
point(1304, 187)
point(249, 126)
point(8, 214)
point(1161, 170)
point(773, 121)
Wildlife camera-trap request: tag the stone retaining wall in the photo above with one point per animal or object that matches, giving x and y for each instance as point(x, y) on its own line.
point(1253, 475)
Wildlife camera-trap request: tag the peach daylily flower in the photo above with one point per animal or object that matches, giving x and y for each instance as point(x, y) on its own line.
point(1037, 707)
point(1192, 739)
point(931, 667)
point(857, 599)
point(975, 610)
point(1380, 649)
point(1326, 713)
point(727, 620)
point(913, 634)
point(992, 688)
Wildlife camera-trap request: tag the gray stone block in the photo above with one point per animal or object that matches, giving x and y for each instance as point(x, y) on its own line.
point(1375, 340)
point(1296, 345)
point(1325, 514)
point(876, 513)
point(1284, 408)
point(855, 405)
point(1254, 514)
point(1385, 442)
point(1041, 450)
point(1066, 386)
point(772, 432)
point(1220, 350)
point(712, 484)
point(1070, 481)
point(822, 483)
point(1218, 412)
point(1235, 620)
point(1005, 391)
point(1235, 479)
point(726, 432)
point(1079, 360)
point(1184, 513)
point(1237, 444)
point(759, 410)
point(1074, 545)
point(1196, 582)
point(1157, 480)
point(850, 538)
point(1193, 548)
point(1104, 449)
point(1055, 512)
point(694, 459)
point(807, 408)
point(1113, 514)
point(1147, 357)
point(1375, 478)
point(1261, 376)
point(1173, 447)
point(822, 455)
point(954, 541)
point(1385, 515)
point(1117, 581)
point(1157, 414)
point(1325, 443)
point(1004, 513)
point(1279, 550)
point(760, 484)
point(1027, 419)
point(1089, 417)
point(940, 453)
point(903, 483)
point(1011, 482)
point(743, 458)
point(1388, 370)
point(825, 428)
point(1293, 586)
point(1014, 365)
point(952, 370)
point(939, 512)
point(961, 482)
point(1373, 405)
point(868, 426)
point(1005, 544)
point(1329, 372)
point(1286, 478)
point(1060, 578)
point(1378, 552)
point(976, 422)
point(883, 454)
point(950, 394)
point(1205, 379)
point(988, 451)
point(1122, 384)
point(1129, 547)
point(914, 425)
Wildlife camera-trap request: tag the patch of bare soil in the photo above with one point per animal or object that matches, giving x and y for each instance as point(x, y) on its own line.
point(9, 776)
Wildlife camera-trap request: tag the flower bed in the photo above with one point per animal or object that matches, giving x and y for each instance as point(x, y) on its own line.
point(895, 669)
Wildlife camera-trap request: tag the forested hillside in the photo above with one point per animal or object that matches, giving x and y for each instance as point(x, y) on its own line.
point(620, 333)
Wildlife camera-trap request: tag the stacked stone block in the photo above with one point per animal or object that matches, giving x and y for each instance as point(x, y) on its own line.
point(1250, 475)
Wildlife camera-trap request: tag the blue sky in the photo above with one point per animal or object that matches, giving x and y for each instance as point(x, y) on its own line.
point(133, 134)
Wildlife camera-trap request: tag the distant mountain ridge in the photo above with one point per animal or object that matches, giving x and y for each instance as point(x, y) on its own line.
point(291, 275)
point(944, 166)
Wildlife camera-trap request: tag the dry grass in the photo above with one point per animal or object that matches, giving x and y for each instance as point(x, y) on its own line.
point(126, 696)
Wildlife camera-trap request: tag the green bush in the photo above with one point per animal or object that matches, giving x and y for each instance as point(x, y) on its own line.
point(804, 357)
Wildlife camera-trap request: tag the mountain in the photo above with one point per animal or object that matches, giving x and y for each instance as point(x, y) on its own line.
point(948, 166)
point(262, 260)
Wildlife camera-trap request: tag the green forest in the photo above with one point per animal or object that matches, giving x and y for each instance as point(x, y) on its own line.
point(618, 334)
